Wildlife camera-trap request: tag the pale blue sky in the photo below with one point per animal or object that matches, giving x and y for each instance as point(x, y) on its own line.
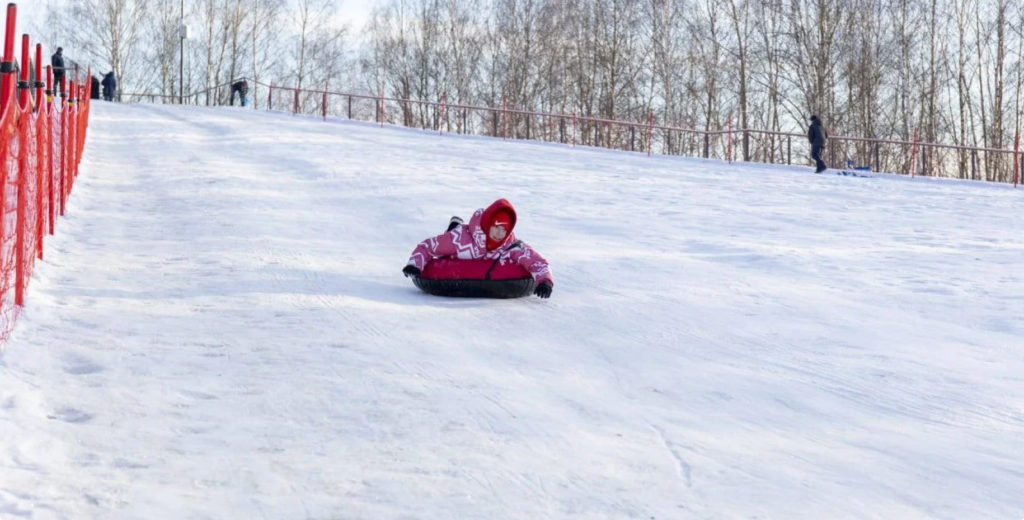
point(32, 13)
point(354, 12)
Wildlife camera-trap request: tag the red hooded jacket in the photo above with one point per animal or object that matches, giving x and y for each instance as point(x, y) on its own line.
point(470, 241)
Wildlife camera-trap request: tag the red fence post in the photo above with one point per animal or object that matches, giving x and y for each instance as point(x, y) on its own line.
point(1016, 158)
point(23, 94)
point(7, 67)
point(650, 132)
point(22, 181)
point(444, 112)
point(913, 155)
point(730, 139)
point(72, 151)
point(49, 146)
point(39, 76)
point(20, 219)
point(325, 101)
point(63, 144)
point(39, 121)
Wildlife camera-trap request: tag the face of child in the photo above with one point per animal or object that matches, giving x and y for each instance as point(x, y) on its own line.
point(497, 233)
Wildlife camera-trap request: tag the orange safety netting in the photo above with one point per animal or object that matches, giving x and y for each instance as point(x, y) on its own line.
point(40, 149)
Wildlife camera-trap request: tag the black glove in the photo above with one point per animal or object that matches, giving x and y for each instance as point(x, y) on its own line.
point(412, 270)
point(543, 290)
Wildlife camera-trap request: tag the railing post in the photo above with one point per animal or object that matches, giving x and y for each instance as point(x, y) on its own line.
point(444, 114)
point(270, 97)
point(707, 144)
point(325, 103)
point(729, 146)
point(746, 145)
point(913, 155)
point(974, 164)
point(527, 127)
point(574, 128)
point(295, 107)
point(878, 159)
point(349, 107)
point(632, 138)
point(1016, 157)
point(650, 132)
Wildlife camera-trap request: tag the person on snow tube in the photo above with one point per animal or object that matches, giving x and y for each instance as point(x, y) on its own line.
point(489, 236)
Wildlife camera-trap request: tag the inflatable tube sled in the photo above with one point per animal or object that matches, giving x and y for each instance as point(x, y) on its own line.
point(480, 278)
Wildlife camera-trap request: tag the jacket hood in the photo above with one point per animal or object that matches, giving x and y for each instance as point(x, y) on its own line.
point(498, 207)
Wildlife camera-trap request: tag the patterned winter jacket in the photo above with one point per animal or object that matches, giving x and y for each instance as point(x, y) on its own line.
point(469, 241)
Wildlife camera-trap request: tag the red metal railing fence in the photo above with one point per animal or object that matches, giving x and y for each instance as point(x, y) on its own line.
point(42, 136)
point(749, 145)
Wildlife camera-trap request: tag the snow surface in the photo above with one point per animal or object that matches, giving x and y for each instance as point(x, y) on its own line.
point(220, 329)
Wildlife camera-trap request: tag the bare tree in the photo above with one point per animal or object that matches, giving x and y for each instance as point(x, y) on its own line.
point(108, 32)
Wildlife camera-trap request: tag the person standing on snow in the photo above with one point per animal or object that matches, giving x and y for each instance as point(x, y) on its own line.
point(57, 62)
point(242, 88)
point(109, 86)
point(488, 235)
point(817, 137)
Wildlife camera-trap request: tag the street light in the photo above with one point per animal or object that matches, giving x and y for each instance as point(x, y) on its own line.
point(182, 34)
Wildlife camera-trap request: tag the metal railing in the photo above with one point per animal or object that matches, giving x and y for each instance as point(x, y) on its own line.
point(749, 145)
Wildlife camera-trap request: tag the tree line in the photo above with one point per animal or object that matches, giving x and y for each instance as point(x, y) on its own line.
point(951, 70)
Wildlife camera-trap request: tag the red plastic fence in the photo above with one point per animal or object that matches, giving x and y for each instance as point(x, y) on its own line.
point(41, 144)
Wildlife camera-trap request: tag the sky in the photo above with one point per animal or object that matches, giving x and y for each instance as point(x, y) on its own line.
point(33, 12)
point(220, 329)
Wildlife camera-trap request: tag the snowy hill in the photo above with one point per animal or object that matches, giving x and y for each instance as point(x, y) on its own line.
point(220, 330)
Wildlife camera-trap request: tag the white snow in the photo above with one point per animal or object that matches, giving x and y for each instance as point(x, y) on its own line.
point(220, 329)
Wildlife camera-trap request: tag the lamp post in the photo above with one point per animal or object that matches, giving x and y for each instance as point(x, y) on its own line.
point(181, 57)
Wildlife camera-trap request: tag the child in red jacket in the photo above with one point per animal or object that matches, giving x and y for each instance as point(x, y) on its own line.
point(488, 235)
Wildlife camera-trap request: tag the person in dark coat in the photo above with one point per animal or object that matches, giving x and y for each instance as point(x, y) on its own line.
point(242, 87)
point(817, 137)
point(94, 89)
point(57, 61)
point(109, 86)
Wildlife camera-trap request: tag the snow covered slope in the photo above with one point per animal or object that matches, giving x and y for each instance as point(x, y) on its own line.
point(220, 329)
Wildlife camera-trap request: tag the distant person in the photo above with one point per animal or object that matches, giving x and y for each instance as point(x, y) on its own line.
point(242, 87)
point(109, 86)
point(94, 88)
point(57, 61)
point(817, 137)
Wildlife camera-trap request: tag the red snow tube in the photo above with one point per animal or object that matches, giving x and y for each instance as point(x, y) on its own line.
point(474, 279)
